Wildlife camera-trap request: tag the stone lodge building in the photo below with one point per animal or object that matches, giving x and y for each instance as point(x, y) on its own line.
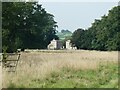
point(55, 44)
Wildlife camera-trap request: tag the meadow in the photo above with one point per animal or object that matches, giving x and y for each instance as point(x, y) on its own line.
point(64, 69)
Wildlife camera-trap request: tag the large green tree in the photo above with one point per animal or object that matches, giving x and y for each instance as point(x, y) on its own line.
point(104, 34)
point(26, 25)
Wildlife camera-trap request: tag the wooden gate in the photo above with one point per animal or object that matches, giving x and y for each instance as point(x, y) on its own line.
point(10, 61)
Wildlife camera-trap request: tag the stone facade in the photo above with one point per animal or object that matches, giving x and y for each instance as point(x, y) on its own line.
point(69, 45)
point(55, 44)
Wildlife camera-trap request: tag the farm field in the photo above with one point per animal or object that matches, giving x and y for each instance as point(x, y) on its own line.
point(64, 69)
point(0, 72)
point(0, 76)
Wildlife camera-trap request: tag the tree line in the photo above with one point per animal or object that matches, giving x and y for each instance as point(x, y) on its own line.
point(26, 25)
point(104, 34)
point(29, 25)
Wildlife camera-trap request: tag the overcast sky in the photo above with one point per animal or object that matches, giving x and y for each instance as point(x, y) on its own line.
point(74, 15)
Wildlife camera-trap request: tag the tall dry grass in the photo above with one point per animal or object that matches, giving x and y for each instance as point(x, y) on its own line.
point(0, 77)
point(40, 64)
point(0, 71)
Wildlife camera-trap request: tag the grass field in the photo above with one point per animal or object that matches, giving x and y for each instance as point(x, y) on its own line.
point(0, 77)
point(64, 69)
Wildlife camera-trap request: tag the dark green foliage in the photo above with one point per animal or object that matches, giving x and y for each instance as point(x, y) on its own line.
point(66, 31)
point(26, 25)
point(64, 34)
point(103, 35)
